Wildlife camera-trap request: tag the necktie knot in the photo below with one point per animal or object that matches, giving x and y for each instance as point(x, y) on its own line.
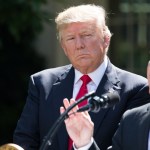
point(86, 79)
point(83, 89)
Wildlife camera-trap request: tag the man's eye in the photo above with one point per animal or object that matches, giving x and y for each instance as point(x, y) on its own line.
point(87, 35)
point(71, 38)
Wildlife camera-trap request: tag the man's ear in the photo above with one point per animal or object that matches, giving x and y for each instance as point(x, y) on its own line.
point(107, 37)
point(106, 41)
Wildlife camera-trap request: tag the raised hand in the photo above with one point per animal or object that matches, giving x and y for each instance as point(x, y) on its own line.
point(79, 125)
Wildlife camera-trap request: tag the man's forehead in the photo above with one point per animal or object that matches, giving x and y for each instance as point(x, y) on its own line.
point(83, 26)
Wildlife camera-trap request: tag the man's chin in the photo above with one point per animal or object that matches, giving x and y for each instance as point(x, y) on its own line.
point(85, 65)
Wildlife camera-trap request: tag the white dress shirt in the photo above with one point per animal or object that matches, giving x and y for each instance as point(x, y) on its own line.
point(96, 77)
point(86, 147)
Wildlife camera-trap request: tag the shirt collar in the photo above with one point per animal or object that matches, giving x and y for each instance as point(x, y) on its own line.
point(96, 75)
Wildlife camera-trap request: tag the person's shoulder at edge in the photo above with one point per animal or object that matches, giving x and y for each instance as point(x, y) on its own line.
point(138, 110)
point(128, 75)
point(57, 70)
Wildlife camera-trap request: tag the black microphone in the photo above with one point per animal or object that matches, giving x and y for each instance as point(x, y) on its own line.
point(96, 103)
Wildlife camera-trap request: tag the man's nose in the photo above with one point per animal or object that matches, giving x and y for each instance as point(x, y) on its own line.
point(79, 43)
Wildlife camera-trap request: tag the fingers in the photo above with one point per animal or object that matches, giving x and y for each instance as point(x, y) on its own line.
point(62, 109)
point(73, 111)
point(87, 119)
point(87, 115)
point(68, 104)
point(72, 101)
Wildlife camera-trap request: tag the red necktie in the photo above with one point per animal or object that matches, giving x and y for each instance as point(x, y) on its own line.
point(83, 90)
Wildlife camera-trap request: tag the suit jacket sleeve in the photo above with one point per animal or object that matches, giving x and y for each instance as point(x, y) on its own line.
point(29, 117)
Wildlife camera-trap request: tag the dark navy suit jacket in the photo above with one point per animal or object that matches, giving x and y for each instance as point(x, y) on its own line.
point(133, 132)
point(48, 88)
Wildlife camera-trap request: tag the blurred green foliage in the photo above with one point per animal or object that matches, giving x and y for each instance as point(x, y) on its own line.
point(20, 23)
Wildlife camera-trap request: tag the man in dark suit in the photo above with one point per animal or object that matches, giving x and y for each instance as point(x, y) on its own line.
point(134, 130)
point(132, 134)
point(85, 39)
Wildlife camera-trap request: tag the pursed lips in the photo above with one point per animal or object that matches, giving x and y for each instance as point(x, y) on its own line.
point(83, 55)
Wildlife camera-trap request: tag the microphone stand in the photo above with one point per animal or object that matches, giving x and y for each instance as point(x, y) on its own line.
point(48, 140)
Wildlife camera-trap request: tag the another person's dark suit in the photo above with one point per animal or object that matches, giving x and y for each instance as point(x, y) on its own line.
point(134, 129)
point(47, 90)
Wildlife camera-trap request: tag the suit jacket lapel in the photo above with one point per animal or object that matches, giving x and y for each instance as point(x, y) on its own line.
point(62, 89)
point(108, 83)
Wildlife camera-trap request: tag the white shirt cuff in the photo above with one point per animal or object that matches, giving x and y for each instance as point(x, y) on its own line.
point(86, 147)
